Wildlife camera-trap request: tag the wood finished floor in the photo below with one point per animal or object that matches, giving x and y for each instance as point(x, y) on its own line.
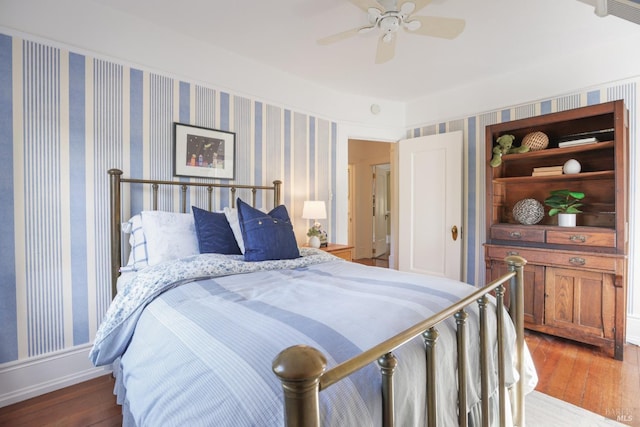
point(586, 377)
point(90, 403)
point(572, 372)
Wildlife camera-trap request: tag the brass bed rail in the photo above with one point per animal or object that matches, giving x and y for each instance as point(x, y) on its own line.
point(115, 186)
point(302, 369)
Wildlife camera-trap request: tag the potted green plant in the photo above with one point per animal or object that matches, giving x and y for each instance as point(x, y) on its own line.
point(314, 235)
point(565, 204)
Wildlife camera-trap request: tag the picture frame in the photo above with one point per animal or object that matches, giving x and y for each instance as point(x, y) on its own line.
point(201, 152)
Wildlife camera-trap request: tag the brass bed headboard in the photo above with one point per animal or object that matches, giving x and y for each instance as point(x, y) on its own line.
point(117, 181)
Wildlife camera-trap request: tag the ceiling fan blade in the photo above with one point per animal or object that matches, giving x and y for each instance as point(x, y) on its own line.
point(386, 49)
point(339, 36)
point(435, 26)
point(419, 4)
point(366, 4)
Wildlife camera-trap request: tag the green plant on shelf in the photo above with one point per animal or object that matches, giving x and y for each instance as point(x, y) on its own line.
point(564, 201)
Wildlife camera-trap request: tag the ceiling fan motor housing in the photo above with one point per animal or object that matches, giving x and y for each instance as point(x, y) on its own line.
point(390, 23)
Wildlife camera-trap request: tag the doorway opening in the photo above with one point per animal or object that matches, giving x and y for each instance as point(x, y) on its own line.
point(370, 201)
point(381, 213)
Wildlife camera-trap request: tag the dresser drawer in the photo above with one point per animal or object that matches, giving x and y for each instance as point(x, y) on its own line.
point(555, 258)
point(343, 253)
point(585, 261)
point(605, 238)
point(517, 233)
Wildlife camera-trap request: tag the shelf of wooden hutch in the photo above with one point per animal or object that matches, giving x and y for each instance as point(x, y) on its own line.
point(576, 277)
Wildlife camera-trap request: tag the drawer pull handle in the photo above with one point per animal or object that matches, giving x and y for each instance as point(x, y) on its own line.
point(576, 238)
point(512, 253)
point(515, 235)
point(577, 261)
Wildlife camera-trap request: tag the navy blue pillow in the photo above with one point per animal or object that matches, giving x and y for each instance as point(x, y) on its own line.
point(267, 236)
point(214, 233)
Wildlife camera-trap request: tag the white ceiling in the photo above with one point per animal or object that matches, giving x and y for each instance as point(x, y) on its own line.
point(499, 35)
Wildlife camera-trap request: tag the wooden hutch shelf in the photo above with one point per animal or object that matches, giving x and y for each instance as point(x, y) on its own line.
point(576, 277)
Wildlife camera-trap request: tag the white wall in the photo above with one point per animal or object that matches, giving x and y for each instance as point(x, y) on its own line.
point(590, 65)
point(89, 26)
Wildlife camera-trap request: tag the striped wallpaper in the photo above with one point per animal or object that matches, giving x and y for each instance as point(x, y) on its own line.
point(65, 119)
point(474, 142)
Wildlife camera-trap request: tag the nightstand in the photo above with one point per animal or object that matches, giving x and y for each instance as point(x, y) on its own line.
point(341, 251)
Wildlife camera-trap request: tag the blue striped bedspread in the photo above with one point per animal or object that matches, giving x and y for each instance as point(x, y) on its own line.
point(200, 352)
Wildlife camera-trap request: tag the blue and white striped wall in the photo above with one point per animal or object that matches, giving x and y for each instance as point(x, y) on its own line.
point(474, 142)
point(65, 119)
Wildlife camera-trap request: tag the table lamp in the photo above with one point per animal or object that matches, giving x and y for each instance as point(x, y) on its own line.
point(315, 210)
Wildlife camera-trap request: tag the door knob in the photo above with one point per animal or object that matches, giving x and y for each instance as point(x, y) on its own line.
point(454, 233)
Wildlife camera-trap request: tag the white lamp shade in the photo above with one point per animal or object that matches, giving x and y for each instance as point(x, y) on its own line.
point(314, 209)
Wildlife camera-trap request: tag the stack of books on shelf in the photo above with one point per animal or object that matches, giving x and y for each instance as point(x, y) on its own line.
point(547, 171)
point(579, 141)
point(585, 138)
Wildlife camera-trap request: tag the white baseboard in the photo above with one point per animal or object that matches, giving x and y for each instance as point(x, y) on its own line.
point(25, 379)
point(633, 329)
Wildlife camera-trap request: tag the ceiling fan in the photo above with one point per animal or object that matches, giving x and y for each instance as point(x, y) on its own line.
point(389, 16)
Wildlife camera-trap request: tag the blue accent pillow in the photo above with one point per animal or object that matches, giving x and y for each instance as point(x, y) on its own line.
point(214, 233)
point(267, 236)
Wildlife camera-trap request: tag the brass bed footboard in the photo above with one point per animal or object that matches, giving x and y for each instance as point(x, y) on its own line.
point(302, 369)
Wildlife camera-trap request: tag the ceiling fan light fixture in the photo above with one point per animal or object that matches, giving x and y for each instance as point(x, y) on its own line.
point(413, 25)
point(407, 8)
point(387, 38)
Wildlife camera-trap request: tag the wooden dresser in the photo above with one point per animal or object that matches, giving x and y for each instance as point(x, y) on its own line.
point(341, 251)
point(575, 277)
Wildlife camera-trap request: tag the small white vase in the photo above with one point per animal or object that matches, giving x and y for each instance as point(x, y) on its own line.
point(314, 242)
point(567, 219)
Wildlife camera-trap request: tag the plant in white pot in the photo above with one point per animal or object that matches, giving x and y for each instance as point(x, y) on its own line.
point(314, 234)
point(565, 204)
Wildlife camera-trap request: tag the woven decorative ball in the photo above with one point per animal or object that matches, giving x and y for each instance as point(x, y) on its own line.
point(535, 141)
point(528, 211)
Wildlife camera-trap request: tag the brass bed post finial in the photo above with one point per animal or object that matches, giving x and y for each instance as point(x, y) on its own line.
point(116, 247)
point(183, 198)
point(430, 337)
point(483, 302)
point(502, 404)
point(517, 263)
point(388, 363)
point(461, 317)
point(277, 192)
point(299, 369)
point(155, 187)
point(210, 198)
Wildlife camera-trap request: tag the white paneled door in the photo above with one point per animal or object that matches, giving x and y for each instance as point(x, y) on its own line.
point(430, 205)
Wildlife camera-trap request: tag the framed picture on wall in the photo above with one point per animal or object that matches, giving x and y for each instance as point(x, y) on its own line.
point(203, 153)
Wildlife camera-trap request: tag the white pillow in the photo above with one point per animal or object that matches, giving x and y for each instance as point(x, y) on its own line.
point(138, 258)
point(169, 235)
point(234, 223)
